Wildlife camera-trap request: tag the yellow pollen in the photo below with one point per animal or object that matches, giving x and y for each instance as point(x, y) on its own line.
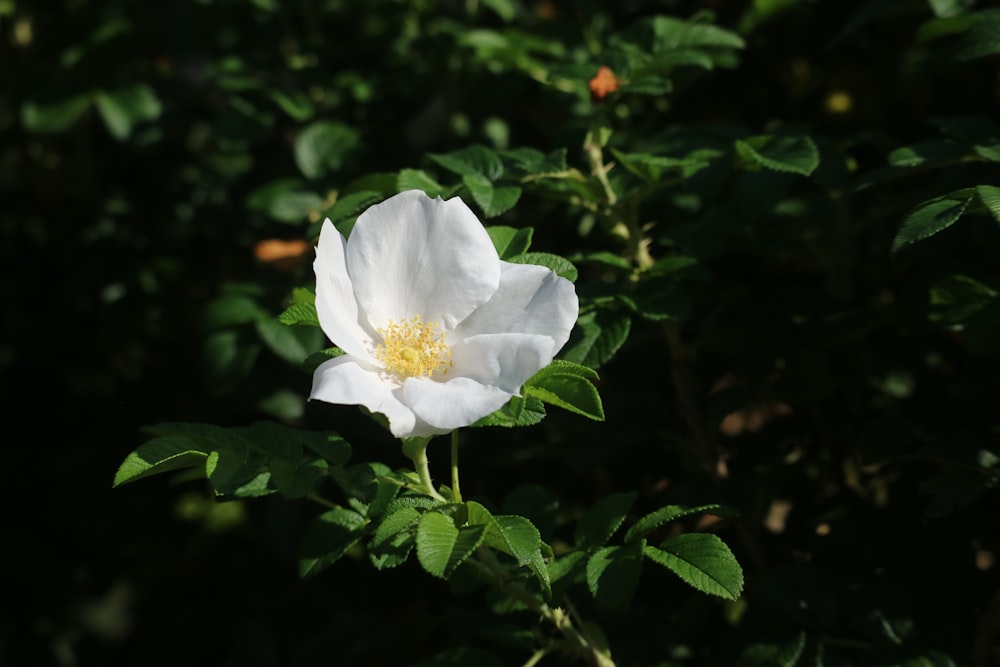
point(412, 348)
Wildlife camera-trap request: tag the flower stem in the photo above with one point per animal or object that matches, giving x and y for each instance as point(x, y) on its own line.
point(416, 450)
point(456, 491)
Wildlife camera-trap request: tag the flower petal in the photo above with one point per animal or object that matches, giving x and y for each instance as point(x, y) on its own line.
point(446, 406)
point(336, 305)
point(505, 360)
point(348, 381)
point(531, 300)
point(416, 256)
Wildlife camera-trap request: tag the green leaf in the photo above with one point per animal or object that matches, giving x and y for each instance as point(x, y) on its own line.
point(569, 392)
point(296, 480)
point(989, 196)
point(124, 108)
point(930, 151)
point(518, 411)
point(613, 575)
point(602, 520)
point(796, 155)
point(649, 84)
point(671, 33)
point(300, 313)
point(418, 179)
point(494, 200)
point(291, 344)
point(981, 39)
point(957, 298)
point(54, 117)
point(349, 206)
point(232, 310)
point(980, 133)
point(560, 265)
point(774, 655)
point(328, 539)
point(473, 160)
point(394, 538)
point(703, 561)
point(510, 241)
point(654, 168)
point(669, 513)
point(515, 536)
point(597, 337)
point(441, 547)
point(294, 207)
point(160, 455)
point(930, 218)
point(236, 471)
point(534, 162)
point(323, 146)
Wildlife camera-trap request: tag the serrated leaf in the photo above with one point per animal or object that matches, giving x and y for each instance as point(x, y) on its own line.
point(569, 392)
point(494, 200)
point(515, 536)
point(473, 160)
point(603, 519)
point(160, 455)
point(929, 151)
point(957, 298)
point(328, 539)
point(598, 335)
point(989, 197)
point(323, 146)
point(518, 411)
point(930, 218)
point(441, 547)
point(534, 162)
point(560, 265)
point(796, 155)
point(669, 513)
point(300, 313)
point(671, 33)
point(295, 480)
point(613, 575)
point(703, 561)
point(510, 241)
point(123, 108)
point(394, 538)
point(350, 205)
point(650, 84)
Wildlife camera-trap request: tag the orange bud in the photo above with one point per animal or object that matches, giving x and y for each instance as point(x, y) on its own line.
point(282, 254)
point(603, 83)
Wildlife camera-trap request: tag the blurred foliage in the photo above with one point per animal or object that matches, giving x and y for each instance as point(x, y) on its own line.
point(801, 323)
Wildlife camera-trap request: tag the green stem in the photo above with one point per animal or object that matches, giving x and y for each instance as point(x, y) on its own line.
point(456, 491)
point(416, 450)
point(580, 640)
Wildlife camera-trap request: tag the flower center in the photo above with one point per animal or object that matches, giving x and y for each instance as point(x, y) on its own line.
point(411, 348)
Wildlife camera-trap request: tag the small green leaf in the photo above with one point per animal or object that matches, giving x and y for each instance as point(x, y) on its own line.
point(602, 520)
point(515, 536)
point(296, 480)
point(534, 162)
point(957, 298)
point(989, 196)
point(441, 547)
point(518, 411)
point(650, 84)
point(669, 513)
point(124, 108)
point(473, 160)
point(510, 241)
point(394, 538)
point(703, 561)
point(293, 345)
point(930, 151)
point(493, 199)
point(598, 335)
point(418, 179)
point(774, 655)
point(160, 455)
point(323, 146)
point(613, 575)
point(300, 313)
point(797, 155)
point(981, 39)
point(328, 539)
point(54, 117)
point(560, 265)
point(569, 392)
point(930, 218)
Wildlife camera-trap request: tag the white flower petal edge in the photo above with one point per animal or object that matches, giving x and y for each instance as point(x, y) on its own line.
point(413, 255)
point(336, 305)
point(344, 380)
point(530, 299)
point(449, 405)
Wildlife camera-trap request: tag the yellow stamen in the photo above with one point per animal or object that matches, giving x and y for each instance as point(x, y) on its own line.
point(412, 348)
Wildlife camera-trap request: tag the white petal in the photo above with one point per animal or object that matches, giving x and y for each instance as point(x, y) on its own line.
point(336, 305)
point(453, 404)
point(505, 360)
point(345, 380)
point(532, 300)
point(416, 256)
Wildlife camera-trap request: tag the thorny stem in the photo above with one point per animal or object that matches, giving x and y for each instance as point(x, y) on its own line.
point(580, 640)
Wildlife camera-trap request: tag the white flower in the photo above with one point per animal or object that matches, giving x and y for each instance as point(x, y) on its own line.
point(437, 330)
